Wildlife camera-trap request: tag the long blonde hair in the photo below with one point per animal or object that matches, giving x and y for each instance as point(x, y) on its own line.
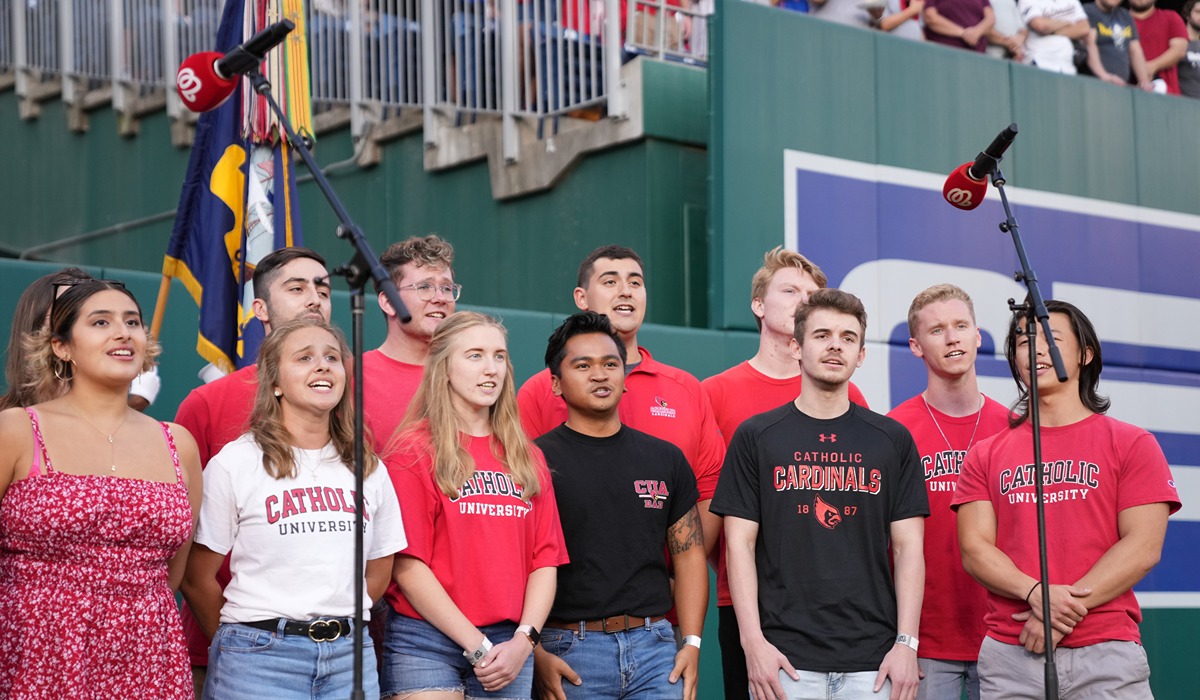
point(432, 417)
point(266, 420)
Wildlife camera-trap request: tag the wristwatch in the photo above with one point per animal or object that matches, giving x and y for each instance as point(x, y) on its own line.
point(692, 640)
point(907, 640)
point(474, 657)
point(530, 631)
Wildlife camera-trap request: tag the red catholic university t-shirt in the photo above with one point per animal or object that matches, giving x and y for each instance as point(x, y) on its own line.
point(482, 544)
point(1098, 467)
point(952, 615)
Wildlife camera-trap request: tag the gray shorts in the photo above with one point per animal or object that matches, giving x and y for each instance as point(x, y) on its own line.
point(1115, 670)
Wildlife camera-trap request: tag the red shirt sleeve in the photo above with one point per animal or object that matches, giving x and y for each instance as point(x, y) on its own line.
point(972, 480)
point(712, 451)
point(535, 403)
point(857, 397)
point(1146, 476)
point(193, 414)
point(409, 469)
point(550, 546)
point(1176, 29)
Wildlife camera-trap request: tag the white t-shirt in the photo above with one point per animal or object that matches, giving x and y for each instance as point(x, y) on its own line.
point(909, 28)
point(291, 541)
point(1008, 22)
point(1051, 52)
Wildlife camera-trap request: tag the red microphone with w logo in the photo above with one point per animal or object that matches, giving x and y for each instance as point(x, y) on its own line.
point(967, 185)
point(963, 191)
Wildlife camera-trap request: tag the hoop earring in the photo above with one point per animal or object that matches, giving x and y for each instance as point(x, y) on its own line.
point(60, 365)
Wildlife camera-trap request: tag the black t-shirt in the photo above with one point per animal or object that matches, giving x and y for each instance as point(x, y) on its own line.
point(617, 497)
point(824, 493)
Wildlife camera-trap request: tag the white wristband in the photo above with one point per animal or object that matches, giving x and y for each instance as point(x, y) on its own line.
point(907, 640)
point(692, 640)
point(474, 657)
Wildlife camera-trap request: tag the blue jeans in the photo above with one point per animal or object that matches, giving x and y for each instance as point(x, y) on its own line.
point(944, 680)
point(245, 663)
point(417, 656)
point(814, 685)
point(634, 663)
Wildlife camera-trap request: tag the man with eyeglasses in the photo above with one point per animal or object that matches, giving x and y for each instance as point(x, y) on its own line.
point(421, 267)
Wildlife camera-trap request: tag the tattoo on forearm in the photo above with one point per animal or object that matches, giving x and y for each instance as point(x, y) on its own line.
point(686, 533)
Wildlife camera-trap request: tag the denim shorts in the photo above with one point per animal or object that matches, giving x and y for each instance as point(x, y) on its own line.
point(417, 657)
point(245, 663)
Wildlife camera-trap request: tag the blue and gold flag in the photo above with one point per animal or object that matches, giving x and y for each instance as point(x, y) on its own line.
point(238, 201)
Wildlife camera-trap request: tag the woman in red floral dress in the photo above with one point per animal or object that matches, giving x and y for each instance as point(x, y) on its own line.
point(96, 516)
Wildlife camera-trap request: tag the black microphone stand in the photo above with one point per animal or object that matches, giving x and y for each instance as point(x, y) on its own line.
point(363, 266)
point(1035, 311)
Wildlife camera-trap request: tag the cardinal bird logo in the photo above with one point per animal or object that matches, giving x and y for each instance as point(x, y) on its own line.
point(826, 514)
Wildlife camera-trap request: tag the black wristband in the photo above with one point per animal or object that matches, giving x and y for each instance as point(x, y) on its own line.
point(1031, 590)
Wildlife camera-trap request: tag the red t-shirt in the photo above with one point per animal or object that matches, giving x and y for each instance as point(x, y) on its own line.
point(215, 414)
point(659, 399)
point(1098, 467)
point(955, 604)
point(218, 413)
point(576, 15)
point(736, 394)
point(1155, 33)
point(388, 389)
point(482, 545)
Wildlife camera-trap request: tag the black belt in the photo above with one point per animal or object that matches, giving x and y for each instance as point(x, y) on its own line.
point(323, 630)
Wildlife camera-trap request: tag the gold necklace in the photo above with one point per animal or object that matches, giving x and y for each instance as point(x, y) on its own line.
point(112, 450)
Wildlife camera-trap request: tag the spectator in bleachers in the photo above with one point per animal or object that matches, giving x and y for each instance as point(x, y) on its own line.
point(897, 17)
point(959, 23)
point(699, 42)
point(908, 16)
point(1054, 26)
point(677, 27)
point(1189, 67)
point(1114, 53)
point(1164, 42)
point(1008, 34)
point(840, 11)
point(793, 5)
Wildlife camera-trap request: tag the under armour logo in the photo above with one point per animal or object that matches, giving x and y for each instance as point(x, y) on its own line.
point(832, 437)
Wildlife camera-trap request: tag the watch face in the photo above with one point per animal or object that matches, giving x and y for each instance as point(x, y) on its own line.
point(535, 637)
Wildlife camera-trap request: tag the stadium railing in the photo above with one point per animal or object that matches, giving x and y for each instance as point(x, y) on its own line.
point(511, 59)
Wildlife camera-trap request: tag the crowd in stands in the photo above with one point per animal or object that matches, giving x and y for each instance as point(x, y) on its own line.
point(1147, 47)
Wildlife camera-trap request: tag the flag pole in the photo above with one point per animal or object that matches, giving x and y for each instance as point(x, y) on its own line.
point(160, 306)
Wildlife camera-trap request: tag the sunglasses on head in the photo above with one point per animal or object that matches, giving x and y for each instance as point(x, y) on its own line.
point(61, 288)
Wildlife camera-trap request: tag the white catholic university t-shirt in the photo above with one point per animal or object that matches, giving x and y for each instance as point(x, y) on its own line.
point(291, 540)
